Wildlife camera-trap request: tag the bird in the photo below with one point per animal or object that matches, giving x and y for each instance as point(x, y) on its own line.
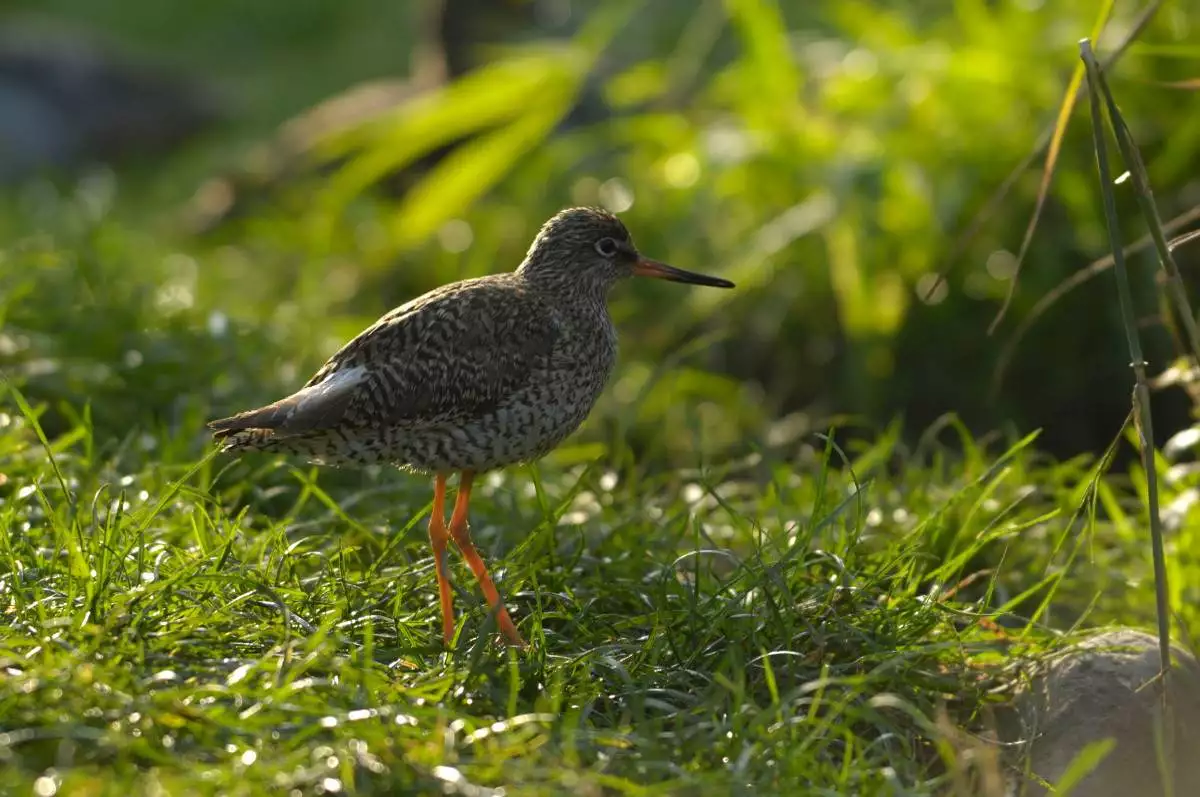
point(471, 377)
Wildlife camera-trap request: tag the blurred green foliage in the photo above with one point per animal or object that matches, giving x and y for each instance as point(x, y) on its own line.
point(826, 156)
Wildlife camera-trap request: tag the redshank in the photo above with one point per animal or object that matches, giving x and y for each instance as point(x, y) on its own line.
point(472, 376)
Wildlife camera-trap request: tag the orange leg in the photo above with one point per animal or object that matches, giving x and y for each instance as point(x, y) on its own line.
point(462, 538)
point(438, 537)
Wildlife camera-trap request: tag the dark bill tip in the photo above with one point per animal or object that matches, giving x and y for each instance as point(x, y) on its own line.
point(652, 268)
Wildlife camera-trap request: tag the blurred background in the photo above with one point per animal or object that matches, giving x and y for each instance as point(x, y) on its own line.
point(203, 200)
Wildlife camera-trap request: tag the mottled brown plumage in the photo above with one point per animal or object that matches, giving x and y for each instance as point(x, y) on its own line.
point(471, 376)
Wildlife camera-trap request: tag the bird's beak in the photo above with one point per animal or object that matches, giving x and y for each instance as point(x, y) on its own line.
point(652, 268)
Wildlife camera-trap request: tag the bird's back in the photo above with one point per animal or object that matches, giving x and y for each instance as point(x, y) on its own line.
point(475, 375)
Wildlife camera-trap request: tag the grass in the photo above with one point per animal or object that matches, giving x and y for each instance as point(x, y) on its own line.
point(792, 619)
point(710, 611)
point(171, 626)
point(1141, 396)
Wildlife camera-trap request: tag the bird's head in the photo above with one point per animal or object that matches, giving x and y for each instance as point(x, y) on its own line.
point(589, 249)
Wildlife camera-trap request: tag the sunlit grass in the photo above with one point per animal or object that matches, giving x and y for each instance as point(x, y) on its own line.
point(245, 634)
point(786, 617)
point(719, 601)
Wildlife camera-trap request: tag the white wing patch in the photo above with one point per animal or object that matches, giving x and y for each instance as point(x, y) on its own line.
point(330, 389)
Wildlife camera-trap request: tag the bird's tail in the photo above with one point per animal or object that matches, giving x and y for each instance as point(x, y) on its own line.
point(250, 430)
point(246, 440)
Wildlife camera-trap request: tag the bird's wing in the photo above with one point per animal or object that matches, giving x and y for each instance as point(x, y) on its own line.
point(451, 354)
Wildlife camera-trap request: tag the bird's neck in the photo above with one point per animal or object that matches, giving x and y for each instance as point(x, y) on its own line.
point(564, 288)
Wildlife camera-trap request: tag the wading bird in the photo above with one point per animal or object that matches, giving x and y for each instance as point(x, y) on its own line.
point(472, 376)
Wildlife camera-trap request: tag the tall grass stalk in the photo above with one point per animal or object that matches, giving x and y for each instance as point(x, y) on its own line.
point(1141, 394)
point(1145, 198)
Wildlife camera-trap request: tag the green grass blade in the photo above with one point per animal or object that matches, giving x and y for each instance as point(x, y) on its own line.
point(1142, 414)
point(1145, 198)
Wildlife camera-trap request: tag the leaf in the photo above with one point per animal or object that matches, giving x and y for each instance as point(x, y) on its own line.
point(483, 99)
point(467, 174)
point(768, 51)
point(524, 97)
point(1082, 765)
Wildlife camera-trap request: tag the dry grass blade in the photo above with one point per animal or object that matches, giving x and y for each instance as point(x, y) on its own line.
point(993, 204)
point(1052, 137)
point(1186, 238)
point(1056, 139)
point(1081, 277)
point(995, 201)
point(1060, 131)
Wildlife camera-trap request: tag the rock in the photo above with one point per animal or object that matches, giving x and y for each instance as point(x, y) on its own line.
point(1106, 688)
point(65, 102)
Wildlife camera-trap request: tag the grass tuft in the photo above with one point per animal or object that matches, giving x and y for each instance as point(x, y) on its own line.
point(801, 626)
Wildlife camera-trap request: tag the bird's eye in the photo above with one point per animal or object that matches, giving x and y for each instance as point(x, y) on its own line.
point(607, 247)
